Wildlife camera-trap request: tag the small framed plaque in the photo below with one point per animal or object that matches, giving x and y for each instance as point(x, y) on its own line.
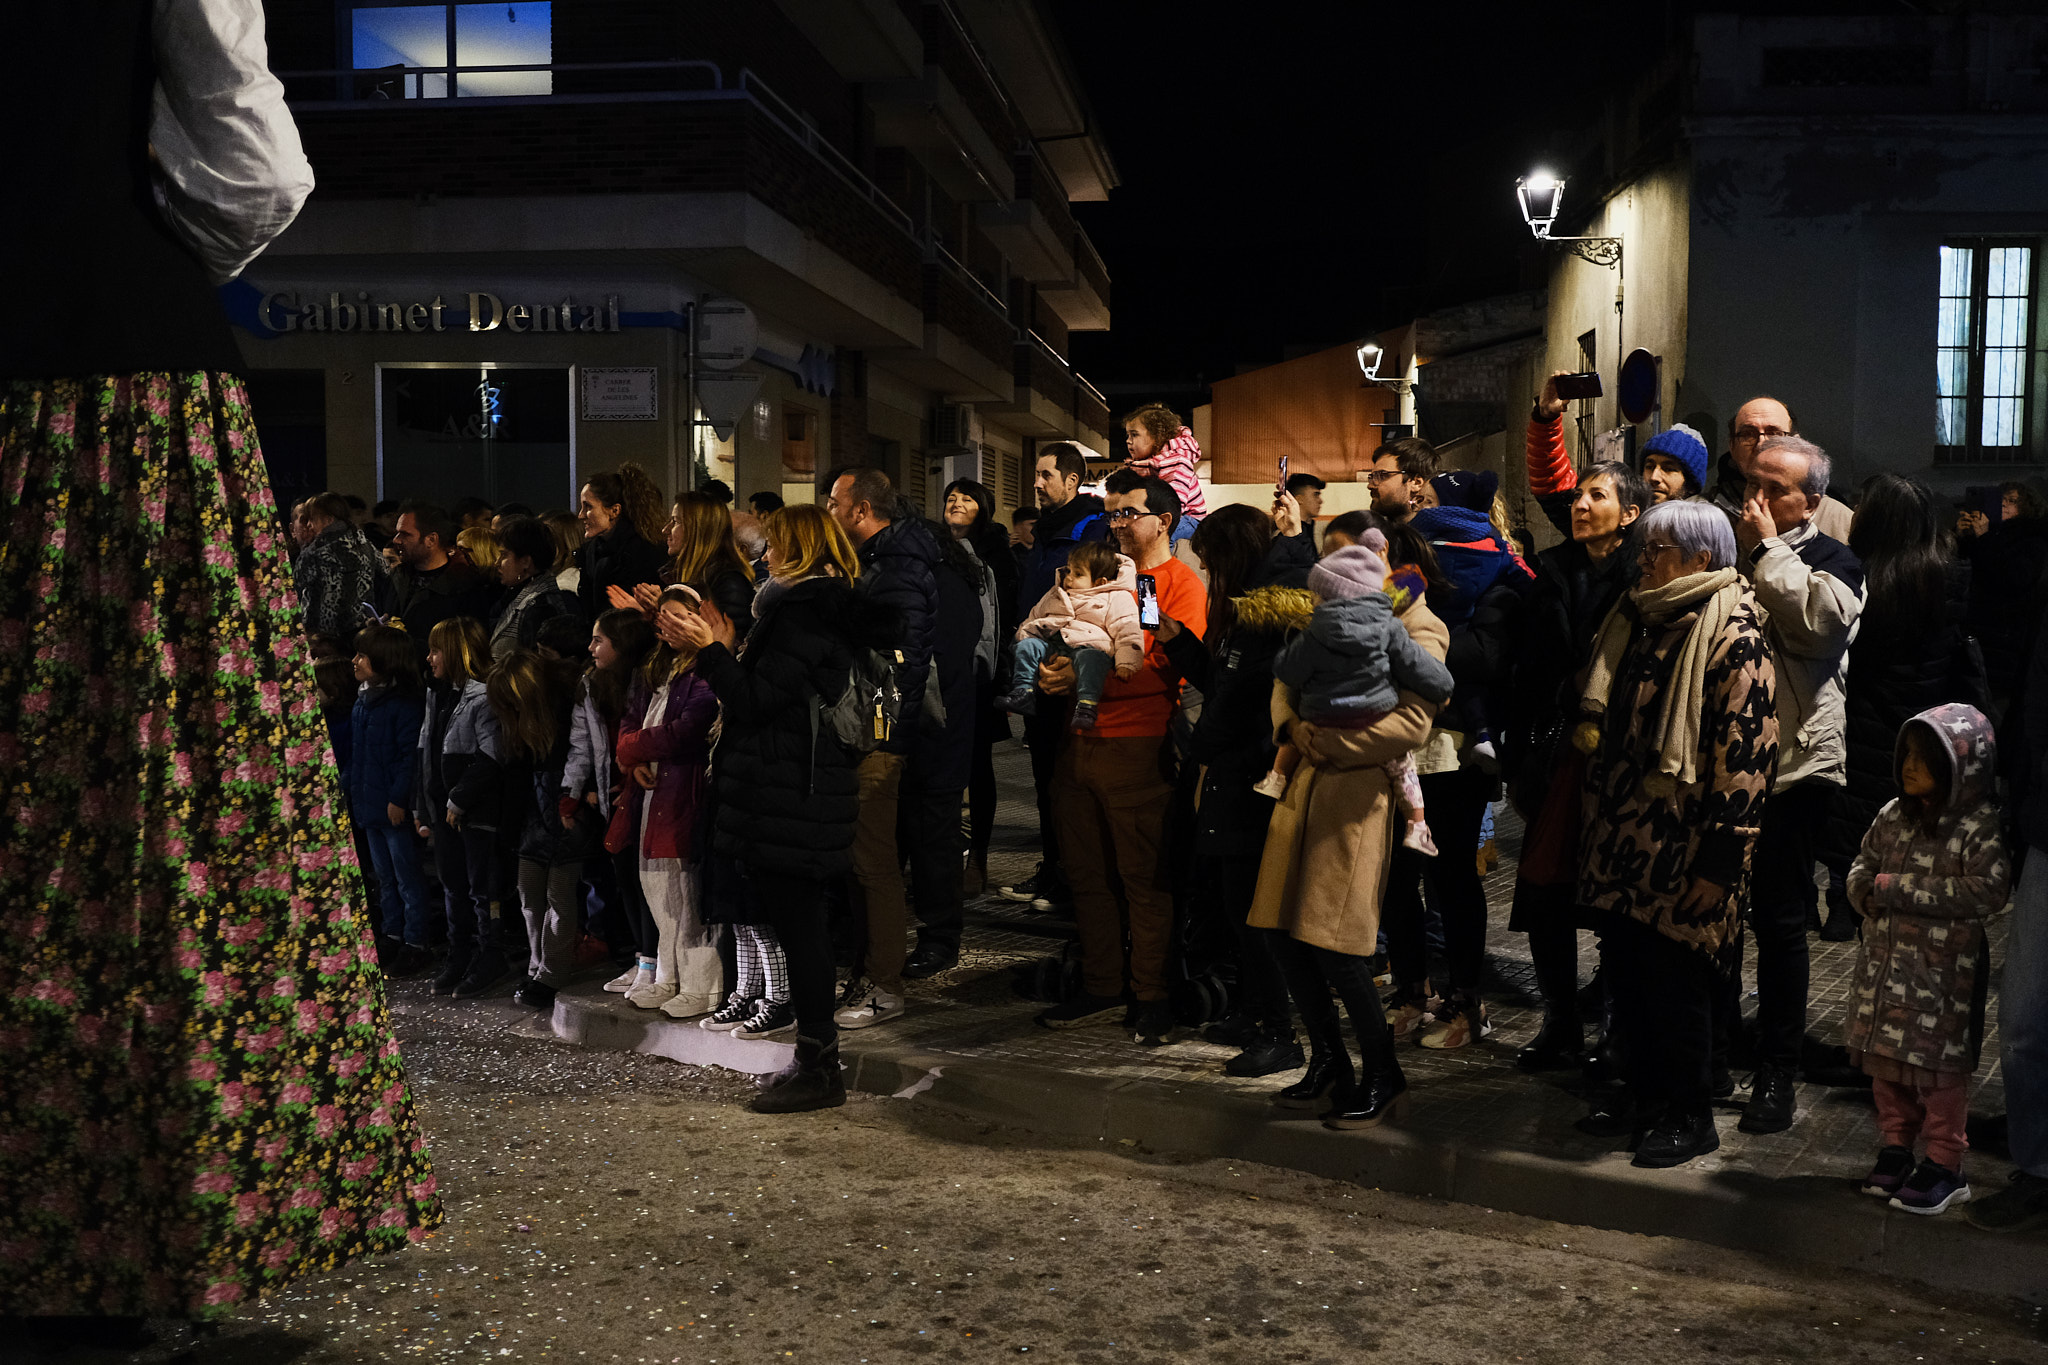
point(622, 393)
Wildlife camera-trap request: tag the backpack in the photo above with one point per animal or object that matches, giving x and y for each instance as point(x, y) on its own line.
point(865, 714)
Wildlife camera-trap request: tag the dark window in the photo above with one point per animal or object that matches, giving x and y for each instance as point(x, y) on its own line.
point(1819, 68)
point(1983, 359)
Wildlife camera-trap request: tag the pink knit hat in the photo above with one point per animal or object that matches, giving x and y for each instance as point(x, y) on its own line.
point(1352, 571)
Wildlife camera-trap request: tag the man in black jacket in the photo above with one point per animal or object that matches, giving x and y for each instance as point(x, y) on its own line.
point(430, 587)
point(1067, 517)
point(898, 571)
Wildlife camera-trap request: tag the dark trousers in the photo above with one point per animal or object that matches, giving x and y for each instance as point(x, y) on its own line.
point(928, 824)
point(1663, 994)
point(1554, 952)
point(1455, 801)
point(1219, 897)
point(1781, 894)
point(1112, 803)
point(1312, 974)
point(795, 908)
point(468, 860)
point(1043, 735)
point(632, 901)
point(981, 798)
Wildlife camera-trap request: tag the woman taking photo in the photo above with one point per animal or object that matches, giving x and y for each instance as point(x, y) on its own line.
point(1577, 584)
point(785, 787)
point(971, 518)
point(1680, 729)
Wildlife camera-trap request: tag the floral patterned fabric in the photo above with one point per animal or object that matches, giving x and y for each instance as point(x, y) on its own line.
point(203, 1097)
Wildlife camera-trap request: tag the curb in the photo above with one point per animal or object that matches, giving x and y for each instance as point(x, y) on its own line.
point(1813, 1220)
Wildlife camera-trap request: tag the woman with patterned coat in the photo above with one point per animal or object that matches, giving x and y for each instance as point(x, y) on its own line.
point(1932, 870)
point(1681, 738)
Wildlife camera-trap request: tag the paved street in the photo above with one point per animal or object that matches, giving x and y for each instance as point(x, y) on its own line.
point(604, 1206)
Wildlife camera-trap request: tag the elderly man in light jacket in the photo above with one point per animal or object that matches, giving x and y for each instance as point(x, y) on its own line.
point(1810, 587)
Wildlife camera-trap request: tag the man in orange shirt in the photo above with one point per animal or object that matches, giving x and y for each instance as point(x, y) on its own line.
point(1110, 788)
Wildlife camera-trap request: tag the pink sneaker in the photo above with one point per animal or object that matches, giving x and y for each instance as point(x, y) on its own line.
point(1417, 838)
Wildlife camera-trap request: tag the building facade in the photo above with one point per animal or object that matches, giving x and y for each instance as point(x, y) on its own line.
point(1846, 214)
point(748, 241)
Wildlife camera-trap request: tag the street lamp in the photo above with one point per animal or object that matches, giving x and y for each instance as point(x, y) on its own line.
point(1541, 196)
point(1369, 359)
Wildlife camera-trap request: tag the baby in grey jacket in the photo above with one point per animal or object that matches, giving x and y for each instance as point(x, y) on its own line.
point(1350, 666)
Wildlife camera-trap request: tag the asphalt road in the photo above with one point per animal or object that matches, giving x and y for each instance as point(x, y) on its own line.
point(608, 1207)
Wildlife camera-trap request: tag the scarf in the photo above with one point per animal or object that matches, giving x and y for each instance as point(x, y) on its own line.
point(1716, 592)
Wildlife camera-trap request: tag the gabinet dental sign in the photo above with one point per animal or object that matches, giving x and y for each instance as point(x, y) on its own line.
point(288, 311)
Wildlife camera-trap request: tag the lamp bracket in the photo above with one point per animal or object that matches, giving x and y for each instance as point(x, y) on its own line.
point(1595, 250)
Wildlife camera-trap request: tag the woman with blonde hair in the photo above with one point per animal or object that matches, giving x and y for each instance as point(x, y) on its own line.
point(785, 786)
point(567, 529)
point(664, 748)
point(459, 802)
point(701, 548)
point(480, 548)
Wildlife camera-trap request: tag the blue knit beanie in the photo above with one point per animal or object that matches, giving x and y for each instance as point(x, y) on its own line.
point(1684, 445)
point(1471, 489)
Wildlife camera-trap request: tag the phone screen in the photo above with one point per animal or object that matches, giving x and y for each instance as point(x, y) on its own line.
point(1280, 483)
point(1148, 601)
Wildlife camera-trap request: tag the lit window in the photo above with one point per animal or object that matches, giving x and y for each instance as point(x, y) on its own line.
point(1983, 351)
point(463, 36)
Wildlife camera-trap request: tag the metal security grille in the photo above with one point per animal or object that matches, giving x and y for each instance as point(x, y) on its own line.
point(1984, 351)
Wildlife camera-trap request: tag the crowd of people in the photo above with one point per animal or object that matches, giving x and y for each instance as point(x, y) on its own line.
point(1267, 751)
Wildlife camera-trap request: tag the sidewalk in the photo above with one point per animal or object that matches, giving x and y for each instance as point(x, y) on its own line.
point(1479, 1131)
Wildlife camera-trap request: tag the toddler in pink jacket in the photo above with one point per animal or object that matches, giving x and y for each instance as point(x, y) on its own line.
point(1091, 617)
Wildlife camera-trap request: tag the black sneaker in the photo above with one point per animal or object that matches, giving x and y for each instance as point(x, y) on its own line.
point(1034, 891)
point(1082, 1010)
point(452, 972)
point(736, 1010)
point(1894, 1164)
point(1152, 1021)
point(482, 978)
point(1264, 1057)
point(1084, 715)
point(2019, 1207)
point(536, 995)
point(929, 959)
point(1556, 1047)
point(1771, 1102)
point(1023, 703)
point(1232, 1030)
point(1676, 1139)
point(774, 1019)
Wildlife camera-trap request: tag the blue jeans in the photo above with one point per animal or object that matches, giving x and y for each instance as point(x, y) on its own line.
point(2023, 1018)
point(1185, 527)
point(1092, 666)
point(395, 862)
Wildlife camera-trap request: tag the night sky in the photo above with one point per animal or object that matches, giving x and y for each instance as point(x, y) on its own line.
point(1301, 173)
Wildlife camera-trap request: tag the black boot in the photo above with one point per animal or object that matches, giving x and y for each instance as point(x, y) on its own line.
point(1271, 1049)
point(1382, 1094)
point(1841, 922)
point(815, 1083)
point(1771, 1102)
point(1327, 1069)
point(1677, 1138)
point(1559, 1046)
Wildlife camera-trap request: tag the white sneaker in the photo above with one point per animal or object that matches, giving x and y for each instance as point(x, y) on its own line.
point(639, 974)
point(866, 1008)
point(651, 996)
point(1273, 784)
point(1418, 838)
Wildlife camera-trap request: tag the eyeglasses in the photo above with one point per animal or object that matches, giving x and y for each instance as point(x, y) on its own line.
point(1381, 476)
point(1648, 554)
point(1755, 434)
point(1124, 515)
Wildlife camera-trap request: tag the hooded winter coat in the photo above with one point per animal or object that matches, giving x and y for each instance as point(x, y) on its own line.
point(1642, 851)
point(1470, 552)
point(679, 746)
point(1100, 616)
point(1916, 1004)
point(786, 789)
point(1355, 659)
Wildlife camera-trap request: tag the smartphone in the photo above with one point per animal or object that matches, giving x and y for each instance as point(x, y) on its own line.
point(1575, 386)
point(1148, 601)
point(1280, 484)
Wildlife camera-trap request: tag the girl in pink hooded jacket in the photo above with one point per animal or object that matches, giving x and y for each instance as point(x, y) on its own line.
point(1090, 616)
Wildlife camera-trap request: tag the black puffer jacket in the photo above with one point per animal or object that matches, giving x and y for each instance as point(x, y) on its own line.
point(620, 558)
point(1560, 615)
point(940, 758)
point(1895, 673)
point(1479, 659)
point(2007, 568)
point(898, 571)
point(1233, 738)
point(787, 793)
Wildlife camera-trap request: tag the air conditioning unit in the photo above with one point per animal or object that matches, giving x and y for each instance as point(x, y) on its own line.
point(956, 430)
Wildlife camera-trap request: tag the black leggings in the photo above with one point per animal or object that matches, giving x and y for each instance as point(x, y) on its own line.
point(795, 908)
point(1456, 801)
point(1312, 974)
point(633, 901)
point(1220, 897)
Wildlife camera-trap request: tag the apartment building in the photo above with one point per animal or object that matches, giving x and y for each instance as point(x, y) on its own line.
point(749, 240)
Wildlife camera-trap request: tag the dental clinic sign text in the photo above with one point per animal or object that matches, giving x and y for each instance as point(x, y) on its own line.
point(288, 312)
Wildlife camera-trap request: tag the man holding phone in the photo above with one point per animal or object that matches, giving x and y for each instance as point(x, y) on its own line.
point(1110, 791)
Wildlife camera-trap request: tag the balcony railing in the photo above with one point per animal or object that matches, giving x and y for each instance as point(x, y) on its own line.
point(951, 48)
point(954, 298)
point(369, 92)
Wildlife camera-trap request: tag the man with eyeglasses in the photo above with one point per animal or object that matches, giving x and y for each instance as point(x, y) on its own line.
point(1400, 471)
point(1110, 790)
point(1753, 423)
point(1810, 587)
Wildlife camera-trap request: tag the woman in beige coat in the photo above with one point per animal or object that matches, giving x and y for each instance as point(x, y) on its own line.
point(1321, 879)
